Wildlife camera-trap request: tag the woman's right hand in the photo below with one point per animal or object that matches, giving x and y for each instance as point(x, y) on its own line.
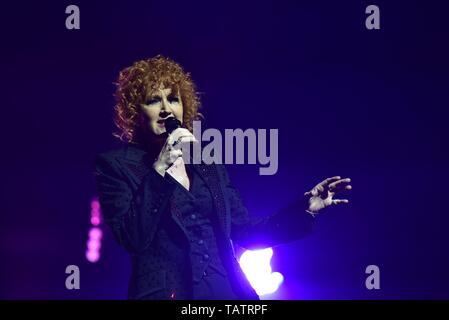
point(172, 149)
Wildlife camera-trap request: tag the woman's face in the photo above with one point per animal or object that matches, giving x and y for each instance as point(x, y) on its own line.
point(158, 106)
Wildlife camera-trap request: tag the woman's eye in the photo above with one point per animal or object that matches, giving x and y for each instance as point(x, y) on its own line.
point(152, 101)
point(173, 99)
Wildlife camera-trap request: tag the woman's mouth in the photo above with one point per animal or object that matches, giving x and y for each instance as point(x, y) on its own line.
point(161, 122)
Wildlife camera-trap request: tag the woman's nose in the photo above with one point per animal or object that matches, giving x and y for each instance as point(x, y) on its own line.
point(164, 114)
point(165, 106)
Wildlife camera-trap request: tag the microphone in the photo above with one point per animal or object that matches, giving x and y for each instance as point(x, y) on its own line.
point(171, 124)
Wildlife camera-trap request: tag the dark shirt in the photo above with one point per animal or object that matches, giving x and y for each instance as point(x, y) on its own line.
point(194, 209)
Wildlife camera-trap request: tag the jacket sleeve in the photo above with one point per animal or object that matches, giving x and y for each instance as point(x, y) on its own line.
point(132, 215)
point(289, 224)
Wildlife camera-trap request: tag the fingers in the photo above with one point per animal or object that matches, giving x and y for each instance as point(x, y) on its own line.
point(172, 149)
point(173, 155)
point(340, 185)
point(186, 139)
point(329, 187)
point(181, 140)
point(339, 201)
point(329, 180)
point(180, 133)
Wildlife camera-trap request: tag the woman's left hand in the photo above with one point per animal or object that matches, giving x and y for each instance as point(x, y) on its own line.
point(322, 195)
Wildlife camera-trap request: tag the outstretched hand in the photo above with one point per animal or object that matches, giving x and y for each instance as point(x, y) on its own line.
point(322, 195)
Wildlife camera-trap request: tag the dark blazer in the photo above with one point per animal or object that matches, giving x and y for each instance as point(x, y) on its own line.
point(133, 197)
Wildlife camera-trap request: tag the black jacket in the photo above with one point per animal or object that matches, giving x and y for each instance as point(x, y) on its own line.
point(133, 197)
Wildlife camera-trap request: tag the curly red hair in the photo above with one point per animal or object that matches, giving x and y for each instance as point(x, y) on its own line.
point(144, 76)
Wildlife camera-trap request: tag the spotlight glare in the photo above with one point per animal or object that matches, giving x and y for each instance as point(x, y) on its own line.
point(257, 268)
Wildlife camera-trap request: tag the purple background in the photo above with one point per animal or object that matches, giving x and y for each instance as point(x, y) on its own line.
point(370, 105)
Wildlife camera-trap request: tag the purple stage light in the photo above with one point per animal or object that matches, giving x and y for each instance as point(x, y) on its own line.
point(95, 233)
point(95, 205)
point(95, 221)
point(93, 245)
point(92, 256)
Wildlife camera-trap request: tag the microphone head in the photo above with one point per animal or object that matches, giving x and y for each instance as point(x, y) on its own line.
point(171, 124)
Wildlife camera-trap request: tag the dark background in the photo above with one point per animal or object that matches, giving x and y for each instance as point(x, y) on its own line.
point(367, 104)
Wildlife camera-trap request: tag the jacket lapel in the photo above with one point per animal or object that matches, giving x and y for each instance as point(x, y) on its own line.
point(134, 162)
